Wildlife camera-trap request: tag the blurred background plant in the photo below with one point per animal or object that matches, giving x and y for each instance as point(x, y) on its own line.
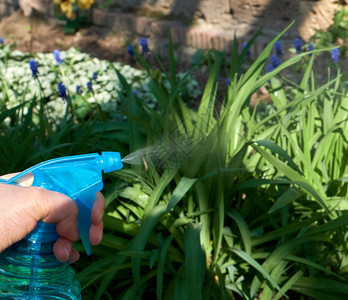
point(222, 200)
point(74, 69)
point(336, 34)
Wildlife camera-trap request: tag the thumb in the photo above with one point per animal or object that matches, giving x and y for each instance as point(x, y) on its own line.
point(22, 207)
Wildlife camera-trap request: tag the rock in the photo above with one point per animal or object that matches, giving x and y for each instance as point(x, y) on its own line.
point(27, 6)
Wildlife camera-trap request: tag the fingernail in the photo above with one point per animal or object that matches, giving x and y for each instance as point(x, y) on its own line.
point(66, 253)
point(74, 257)
point(101, 217)
point(100, 236)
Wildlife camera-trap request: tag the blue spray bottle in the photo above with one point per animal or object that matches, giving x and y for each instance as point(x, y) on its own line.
point(29, 268)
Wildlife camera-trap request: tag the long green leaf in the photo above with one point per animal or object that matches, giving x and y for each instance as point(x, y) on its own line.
point(252, 262)
point(181, 189)
point(275, 148)
point(138, 244)
point(286, 198)
point(243, 228)
point(194, 262)
point(166, 178)
point(161, 266)
point(292, 280)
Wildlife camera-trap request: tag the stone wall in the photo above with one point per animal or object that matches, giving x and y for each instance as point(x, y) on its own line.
point(196, 24)
point(7, 7)
point(211, 10)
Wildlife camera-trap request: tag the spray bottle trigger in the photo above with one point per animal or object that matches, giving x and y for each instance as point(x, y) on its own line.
point(85, 201)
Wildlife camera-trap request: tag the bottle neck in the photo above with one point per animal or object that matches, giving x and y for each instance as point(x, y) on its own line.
point(43, 232)
point(40, 240)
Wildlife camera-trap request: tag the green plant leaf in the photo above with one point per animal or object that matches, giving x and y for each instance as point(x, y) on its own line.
point(286, 198)
point(275, 148)
point(161, 267)
point(180, 191)
point(194, 262)
point(252, 262)
point(243, 228)
point(139, 242)
point(167, 176)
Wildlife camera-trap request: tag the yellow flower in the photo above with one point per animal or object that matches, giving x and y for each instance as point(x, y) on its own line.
point(84, 4)
point(67, 8)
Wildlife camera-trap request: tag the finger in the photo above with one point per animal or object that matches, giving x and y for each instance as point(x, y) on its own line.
point(96, 233)
point(62, 249)
point(8, 176)
point(60, 209)
point(98, 208)
point(26, 180)
point(68, 229)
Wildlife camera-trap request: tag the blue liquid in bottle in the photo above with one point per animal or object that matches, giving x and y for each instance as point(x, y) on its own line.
point(30, 270)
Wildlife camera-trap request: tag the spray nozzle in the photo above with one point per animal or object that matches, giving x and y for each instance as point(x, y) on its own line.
point(110, 161)
point(78, 177)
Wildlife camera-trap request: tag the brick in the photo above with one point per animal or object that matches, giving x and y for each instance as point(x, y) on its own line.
point(228, 40)
point(179, 34)
point(206, 44)
point(182, 34)
point(189, 37)
point(210, 40)
point(99, 17)
point(110, 19)
point(142, 26)
point(162, 28)
point(175, 34)
point(221, 44)
point(197, 38)
point(215, 42)
point(124, 22)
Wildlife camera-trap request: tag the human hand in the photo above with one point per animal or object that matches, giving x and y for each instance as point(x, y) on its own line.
point(21, 207)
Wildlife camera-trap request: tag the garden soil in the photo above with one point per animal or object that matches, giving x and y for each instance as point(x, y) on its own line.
point(37, 34)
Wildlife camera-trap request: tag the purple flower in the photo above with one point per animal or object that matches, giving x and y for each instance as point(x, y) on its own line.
point(298, 45)
point(33, 67)
point(136, 93)
point(89, 86)
point(62, 91)
point(278, 48)
point(95, 76)
point(248, 52)
point(144, 45)
point(310, 48)
point(275, 61)
point(78, 90)
point(227, 81)
point(130, 51)
point(335, 55)
point(56, 54)
point(269, 68)
point(2, 41)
